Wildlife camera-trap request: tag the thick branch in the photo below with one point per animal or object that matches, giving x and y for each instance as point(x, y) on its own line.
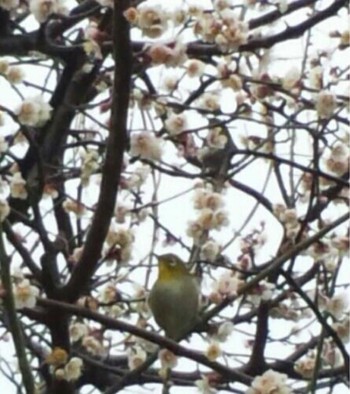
point(114, 157)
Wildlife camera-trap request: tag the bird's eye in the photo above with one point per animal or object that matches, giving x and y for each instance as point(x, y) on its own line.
point(172, 262)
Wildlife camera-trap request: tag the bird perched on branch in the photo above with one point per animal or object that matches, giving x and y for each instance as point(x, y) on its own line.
point(174, 298)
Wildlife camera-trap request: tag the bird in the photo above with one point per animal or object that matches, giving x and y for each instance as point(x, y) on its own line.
point(174, 297)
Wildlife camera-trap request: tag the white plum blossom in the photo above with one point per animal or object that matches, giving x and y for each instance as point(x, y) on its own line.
point(306, 366)
point(93, 345)
point(228, 284)
point(291, 78)
point(138, 177)
point(337, 305)
point(210, 102)
point(136, 357)
point(326, 104)
point(270, 382)
point(176, 123)
point(167, 358)
point(170, 55)
point(213, 351)
point(152, 20)
point(121, 239)
point(216, 139)
point(34, 111)
point(205, 198)
point(203, 386)
point(42, 9)
point(77, 331)
point(73, 369)
point(145, 145)
point(25, 295)
point(210, 250)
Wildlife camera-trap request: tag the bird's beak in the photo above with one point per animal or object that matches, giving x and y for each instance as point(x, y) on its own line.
point(156, 255)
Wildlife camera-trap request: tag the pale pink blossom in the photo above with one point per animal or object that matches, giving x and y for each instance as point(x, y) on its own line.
point(204, 198)
point(109, 294)
point(152, 20)
point(263, 291)
point(228, 284)
point(234, 32)
point(34, 111)
point(270, 382)
point(15, 75)
point(221, 219)
point(176, 123)
point(210, 250)
point(131, 15)
point(195, 68)
point(145, 145)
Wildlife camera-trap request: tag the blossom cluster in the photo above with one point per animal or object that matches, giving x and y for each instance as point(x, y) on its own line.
point(223, 29)
point(289, 218)
point(63, 367)
point(34, 111)
point(211, 215)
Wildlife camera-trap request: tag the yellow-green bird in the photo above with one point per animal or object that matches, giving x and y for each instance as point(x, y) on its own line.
point(174, 298)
